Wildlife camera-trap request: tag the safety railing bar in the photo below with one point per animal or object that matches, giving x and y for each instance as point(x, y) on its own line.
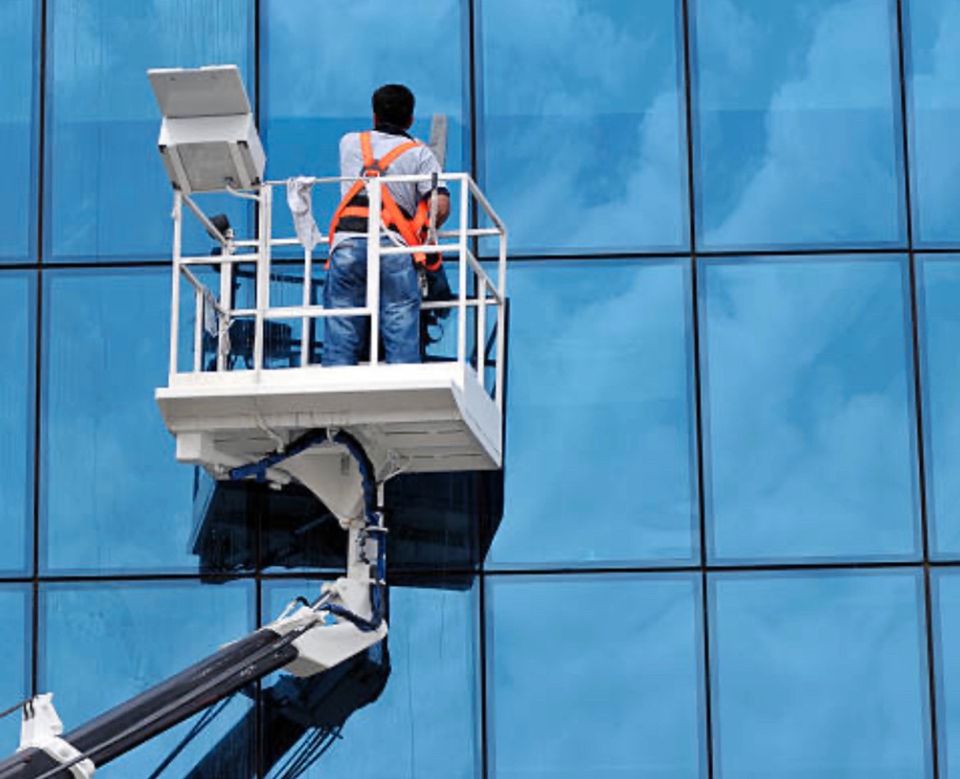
point(483, 275)
point(292, 241)
point(311, 312)
point(200, 287)
point(482, 200)
point(402, 178)
point(473, 232)
point(198, 301)
point(307, 294)
point(462, 254)
point(218, 259)
point(177, 215)
point(373, 267)
point(205, 221)
point(443, 248)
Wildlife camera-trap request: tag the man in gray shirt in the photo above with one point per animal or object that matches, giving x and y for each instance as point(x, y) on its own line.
point(386, 150)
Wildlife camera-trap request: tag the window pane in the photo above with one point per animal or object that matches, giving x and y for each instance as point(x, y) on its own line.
point(311, 102)
point(809, 420)
point(595, 676)
point(939, 279)
point(17, 301)
point(932, 37)
point(599, 451)
point(583, 144)
point(15, 627)
point(103, 644)
point(946, 602)
point(114, 497)
point(107, 192)
point(18, 62)
point(425, 722)
point(819, 675)
point(797, 123)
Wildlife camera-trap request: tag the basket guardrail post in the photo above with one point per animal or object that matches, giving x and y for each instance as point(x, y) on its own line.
point(305, 320)
point(373, 267)
point(175, 293)
point(501, 315)
point(462, 251)
point(263, 272)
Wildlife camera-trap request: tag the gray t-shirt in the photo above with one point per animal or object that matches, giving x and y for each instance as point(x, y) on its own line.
point(419, 159)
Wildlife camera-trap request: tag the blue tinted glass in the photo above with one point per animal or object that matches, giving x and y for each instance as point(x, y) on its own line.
point(819, 675)
point(809, 418)
point(322, 63)
point(797, 123)
point(107, 192)
point(103, 644)
point(599, 454)
point(932, 37)
point(17, 294)
point(583, 144)
point(114, 498)
point(18, 61)
point(940, 332)
point(15, 670)
point(424, 723)
point(595, 676)
point(947, 643)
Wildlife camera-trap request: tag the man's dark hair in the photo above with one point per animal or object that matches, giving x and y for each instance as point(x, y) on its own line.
point(393, 104)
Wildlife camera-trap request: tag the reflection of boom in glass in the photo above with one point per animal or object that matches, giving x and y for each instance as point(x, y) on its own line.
point(248, 401)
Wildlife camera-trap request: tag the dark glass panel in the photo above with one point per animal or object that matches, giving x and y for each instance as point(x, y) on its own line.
point(423, 722)
point(938, 293)
point(931, 38)
point(107, 192)
point(583, 145)
point(102, 644)
point(17, 301)
point(18, 62)
point(595, 676)
point(796, 112)
point(114, 498)
point(819, 674)
point(809, 419)
point(599, 466)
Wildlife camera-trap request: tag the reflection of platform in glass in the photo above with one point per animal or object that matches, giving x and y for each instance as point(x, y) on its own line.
point(410, 418)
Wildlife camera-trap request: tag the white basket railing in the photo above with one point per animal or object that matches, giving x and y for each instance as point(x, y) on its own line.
point(488, 289)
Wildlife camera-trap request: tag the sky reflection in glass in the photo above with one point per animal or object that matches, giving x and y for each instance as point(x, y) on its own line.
point(594, 676)
point(932, 36)
point(797, 124)
point(938, 293)
point(809, 424)
point(582, 142)
point(946, 603)
point(17, 87)
point(17, 294)
point(321, 66)
point(820, 674)
point(101, 644)
point(107, 194)
point(425, 722)
point(114, 497)
point(599, 448)
point(15, 669)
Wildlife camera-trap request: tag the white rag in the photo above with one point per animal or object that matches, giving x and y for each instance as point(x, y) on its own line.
point(301, 207)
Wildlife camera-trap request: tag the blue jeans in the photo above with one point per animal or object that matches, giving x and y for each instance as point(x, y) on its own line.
point(347, 337)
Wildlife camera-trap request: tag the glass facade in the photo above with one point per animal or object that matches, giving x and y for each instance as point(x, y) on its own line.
point(730, 542)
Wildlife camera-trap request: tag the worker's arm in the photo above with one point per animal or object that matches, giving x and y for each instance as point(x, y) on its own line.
point(443, 207)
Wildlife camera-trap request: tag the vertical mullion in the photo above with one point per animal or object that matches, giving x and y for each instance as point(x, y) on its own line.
point(697, 384)
point(40, 97)
point(929, 613)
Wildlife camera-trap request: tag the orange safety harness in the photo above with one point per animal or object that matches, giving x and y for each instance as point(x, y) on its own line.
point(355, 203)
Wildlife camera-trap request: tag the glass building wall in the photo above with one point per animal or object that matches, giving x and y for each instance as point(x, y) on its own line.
point(730, 544)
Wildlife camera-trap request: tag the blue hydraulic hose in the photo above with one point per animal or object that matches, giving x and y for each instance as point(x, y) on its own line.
point(368, 487)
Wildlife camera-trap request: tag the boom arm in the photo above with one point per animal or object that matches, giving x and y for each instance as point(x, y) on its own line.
point(308, 638)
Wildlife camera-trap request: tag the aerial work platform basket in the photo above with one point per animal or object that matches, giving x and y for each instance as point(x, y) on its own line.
point(246, 377)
